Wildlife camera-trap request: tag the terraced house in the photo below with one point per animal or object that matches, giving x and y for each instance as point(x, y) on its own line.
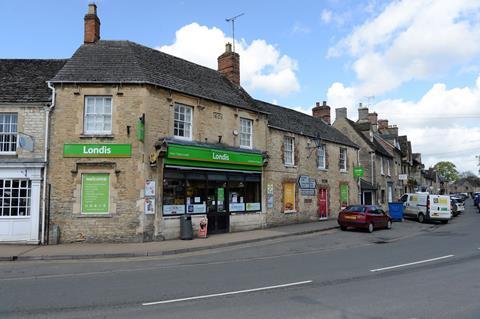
point(25, 102)
point(140, 138)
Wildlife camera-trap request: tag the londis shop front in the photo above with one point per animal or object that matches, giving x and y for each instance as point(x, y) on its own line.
point(222, 184)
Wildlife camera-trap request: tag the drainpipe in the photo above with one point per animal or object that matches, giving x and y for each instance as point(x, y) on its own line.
point(372, 159)
point(44, 190)
point(359, 185)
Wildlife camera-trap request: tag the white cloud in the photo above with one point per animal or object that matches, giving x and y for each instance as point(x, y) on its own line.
point(262, 66)
point(326, 16)
point(411, 39)
point(299, 28)
point(442, 125)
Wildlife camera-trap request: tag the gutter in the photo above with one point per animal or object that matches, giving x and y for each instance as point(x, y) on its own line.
point(44, 190)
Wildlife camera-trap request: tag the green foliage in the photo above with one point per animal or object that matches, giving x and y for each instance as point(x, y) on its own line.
point(448, 170)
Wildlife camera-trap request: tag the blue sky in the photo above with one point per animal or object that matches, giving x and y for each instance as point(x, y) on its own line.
point(418, 58)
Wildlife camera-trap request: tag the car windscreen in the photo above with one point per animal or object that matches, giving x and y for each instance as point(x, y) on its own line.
point(355, 208)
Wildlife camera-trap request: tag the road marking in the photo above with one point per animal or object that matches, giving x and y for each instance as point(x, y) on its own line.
point(228, 293)
point(413, 263)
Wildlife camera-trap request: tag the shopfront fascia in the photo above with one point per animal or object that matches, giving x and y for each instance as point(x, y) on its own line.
point(201, 180)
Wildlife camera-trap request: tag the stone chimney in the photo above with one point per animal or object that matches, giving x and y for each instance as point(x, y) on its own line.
point(92, 25)
point(322, 112)
point(372, 118)
point(362, 113)
point(229, 64)
point(341, 113)
point(382, 124)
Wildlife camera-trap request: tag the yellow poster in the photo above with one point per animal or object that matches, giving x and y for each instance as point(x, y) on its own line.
point(289, 196)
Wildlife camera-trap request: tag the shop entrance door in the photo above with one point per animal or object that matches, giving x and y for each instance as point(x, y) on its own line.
point(322, 203)
point(367, 198)
point(218, 217)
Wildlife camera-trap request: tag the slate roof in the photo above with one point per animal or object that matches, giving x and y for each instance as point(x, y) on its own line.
point(375, 145)
point(129, 62)
point(25, 80)
point(300, 123)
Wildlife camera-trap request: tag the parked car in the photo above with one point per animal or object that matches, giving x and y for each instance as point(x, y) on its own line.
point(457, 206)
point(368, 217)
point(424, 207)
point(476, 202)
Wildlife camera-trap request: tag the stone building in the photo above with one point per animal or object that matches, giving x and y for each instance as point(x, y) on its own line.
point(377, 183)
point(140, 137)
point(309, 175)
point(25, 102)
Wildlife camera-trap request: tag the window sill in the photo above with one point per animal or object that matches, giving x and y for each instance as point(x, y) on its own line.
point(246, 147)
point(289, 211)
point(290, 166)
point(181, 138)
point(8, 153)
point(343, 171)
point(109, 215)
point(322, 169)
point(96, 136)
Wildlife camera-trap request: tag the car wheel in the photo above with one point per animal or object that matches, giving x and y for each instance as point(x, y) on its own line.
point(445, 221)
point(370, 228)
point(389, 224)
point(343, 228)
point(421, 218)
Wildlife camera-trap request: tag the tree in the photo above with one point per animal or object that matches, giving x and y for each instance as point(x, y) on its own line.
point(448, 170)
point(471, 178)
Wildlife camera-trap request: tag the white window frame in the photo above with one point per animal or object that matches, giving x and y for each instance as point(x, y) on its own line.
point(343, 168)
point(246, 132)
point(289, 155)
point(27, 198)
point(97, 115)
point(9, 134)
point(388, 167)
point(321, 153)
point(185, 122)
point(381, 166)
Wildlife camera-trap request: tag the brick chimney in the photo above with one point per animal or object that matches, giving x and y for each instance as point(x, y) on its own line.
point(382, 124)
point(372, 118)
point(92, 25)
point(362, 113)
point(229, 64)
point(322, 112)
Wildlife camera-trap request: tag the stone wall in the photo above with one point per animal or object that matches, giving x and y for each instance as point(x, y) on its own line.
point(277, 173)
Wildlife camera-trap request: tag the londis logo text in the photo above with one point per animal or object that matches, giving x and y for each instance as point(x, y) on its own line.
point(97, 150)
point(222, 157)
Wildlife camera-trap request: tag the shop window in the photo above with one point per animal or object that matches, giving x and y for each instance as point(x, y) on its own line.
point(98, 115)
point(252, 193)
point(196, 195)
point(289, 150)
point(246, 133)
point(289, 197)
point(95, 193)
point(182, 126)
point(173, 194)
point(15, 197)
point(321, 156)
point(236, 198)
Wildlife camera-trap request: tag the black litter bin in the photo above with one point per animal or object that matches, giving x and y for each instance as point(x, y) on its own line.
point(186, 230)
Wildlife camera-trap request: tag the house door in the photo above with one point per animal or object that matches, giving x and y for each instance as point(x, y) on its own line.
point(367, 198)
point(218, 217)
point(323, 203)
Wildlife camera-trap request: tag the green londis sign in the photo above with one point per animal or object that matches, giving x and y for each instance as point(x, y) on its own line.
point(97, 150)
point(95, 193)
point(206, 157)
point(358, 171)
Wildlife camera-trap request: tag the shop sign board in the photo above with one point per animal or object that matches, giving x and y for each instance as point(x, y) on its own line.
point(95, 193)
point(173, 209)
point(402, 177)
point(307, 192)
point(269, 195)
point(97, 150)
point(343, 195)
point(252, 206)
point(237, 207)
point(358, 171)
point(306, 182)
point(196, 208)
point(201, 154)
point(289, 197)
point(149, 205)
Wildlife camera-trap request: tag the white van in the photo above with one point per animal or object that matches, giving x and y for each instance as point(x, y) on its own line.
point(424, 206)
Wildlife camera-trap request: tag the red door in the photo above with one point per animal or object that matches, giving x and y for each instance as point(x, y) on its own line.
point(322, 203)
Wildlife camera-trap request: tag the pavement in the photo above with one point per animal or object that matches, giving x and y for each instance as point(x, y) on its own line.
point(12, 252)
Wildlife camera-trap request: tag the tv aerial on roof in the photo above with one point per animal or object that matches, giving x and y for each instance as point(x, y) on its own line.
point(232, 20)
